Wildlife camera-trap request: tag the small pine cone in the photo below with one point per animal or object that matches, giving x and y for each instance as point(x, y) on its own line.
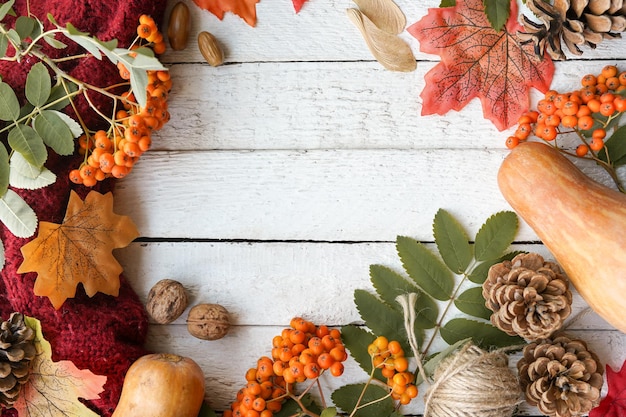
point(17, 350)
point(562, 377)
point(529, 297)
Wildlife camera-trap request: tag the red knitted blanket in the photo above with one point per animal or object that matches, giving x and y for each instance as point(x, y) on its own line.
point(104, 334)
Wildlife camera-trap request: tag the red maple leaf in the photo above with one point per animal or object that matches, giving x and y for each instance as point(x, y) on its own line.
point(297, 4)
point(477, 61)
point(614, 404)
point(246, 9)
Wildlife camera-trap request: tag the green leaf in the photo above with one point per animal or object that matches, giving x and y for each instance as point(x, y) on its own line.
point(58, 99)
point(292, 408)
point(53, 42)
point(616, 147)
point(9, 105)
point(14, 36)
point(346, 398)
point(25, 140)
point(4, 169)
point(206, 411)
point(496, 235)
point(452, 242)
point(356, 339)
point(17, 215)
point(55, 132)
point(428, 272)
point(23, 167)
point(381, 319)
point(4, 44)
point(139, 85)
point(25, 26)
point(19, 180)
point(433, 362)
point(479, 273)
point(329, 412)
point(38, 85)
point(2, 255)
point(498, 12)
point(472, 302)
point(87, 42)
point(447, 3)
point(482, 334)
point(5, 8)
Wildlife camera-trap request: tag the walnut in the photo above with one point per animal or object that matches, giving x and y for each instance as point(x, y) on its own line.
point(167, 300)
point(208, 321)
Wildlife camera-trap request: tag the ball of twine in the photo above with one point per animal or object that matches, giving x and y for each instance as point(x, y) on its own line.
point(474, 383)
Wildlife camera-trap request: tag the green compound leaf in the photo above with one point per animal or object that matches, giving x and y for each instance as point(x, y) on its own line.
point(433, 362)
point(55, 132)
point(498, 12)
point(9, 105)
point(496, 235)
point(346, 397)
point(615, 146)
point(356, 339)
point(472, 302)
point(17, 215)
point(38, 85)
point(389, 285)
point(19, 180)
point(482, 334)
point(4, 169)
point(428, 272)
point(479, 273)
point(23, 167)
point(59, 95)
point(452, 242)
point(25, 140)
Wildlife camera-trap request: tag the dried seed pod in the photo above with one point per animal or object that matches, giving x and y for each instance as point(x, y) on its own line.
point(208, 321)
point(210, 49)
point(178, 26)
point(167, 300)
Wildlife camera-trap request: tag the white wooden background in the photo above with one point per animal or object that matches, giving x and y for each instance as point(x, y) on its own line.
point(286, 172)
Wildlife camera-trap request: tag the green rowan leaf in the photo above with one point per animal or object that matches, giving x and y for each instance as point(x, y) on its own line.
point(346, 397)
point(479, 273)
point(498, 12)
point(329, 412)
point(380, 318)
point(472, 302)
point(428, 272)
point(4, 169)
point(615, 147)
point(25, 140)
point(17, 215)
point(23, 167)
point(59, 95)
point(25, 26)
point(18, 180)
point(356, 339)
point(54, 132)
point(482, 334)
point(433, 362)
point(5, 8)
point(447, 3)
point(496, 235)
point(9, 105)
point(452, 242)
point(38, 85)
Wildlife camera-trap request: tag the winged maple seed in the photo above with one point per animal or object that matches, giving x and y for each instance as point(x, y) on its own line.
point(79, 250)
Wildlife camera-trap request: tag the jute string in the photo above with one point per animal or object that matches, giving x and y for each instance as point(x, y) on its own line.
point(470, 382)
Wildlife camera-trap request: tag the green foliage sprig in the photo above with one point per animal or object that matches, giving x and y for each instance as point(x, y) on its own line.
point(450, 277)
point(497, 11)
point(39, 124)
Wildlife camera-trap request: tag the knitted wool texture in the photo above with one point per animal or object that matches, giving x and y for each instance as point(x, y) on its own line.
point(104, 334)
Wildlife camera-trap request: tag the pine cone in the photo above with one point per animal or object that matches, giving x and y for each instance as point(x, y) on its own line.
point(17, 349)
point(576, 23)
point(528, 296)
point(561, 376)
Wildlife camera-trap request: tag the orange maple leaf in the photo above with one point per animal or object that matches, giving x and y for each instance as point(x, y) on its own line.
point(246, 9)
point(79, 250)
point(53, 388)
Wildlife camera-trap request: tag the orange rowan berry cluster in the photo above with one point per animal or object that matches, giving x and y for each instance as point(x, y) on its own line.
point(301, 352)
point(389, 357)
point(113, 153)
point(586, 111)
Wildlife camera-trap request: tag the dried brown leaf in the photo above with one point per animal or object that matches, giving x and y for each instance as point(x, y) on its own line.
point(385, 14)
point(388, 49)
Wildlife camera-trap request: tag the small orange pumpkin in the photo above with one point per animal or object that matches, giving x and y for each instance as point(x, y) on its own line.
point(162, 385)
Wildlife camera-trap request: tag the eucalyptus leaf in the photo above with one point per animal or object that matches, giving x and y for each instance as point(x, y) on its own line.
point(5, 8)
point(428, 272)
point(452, 242)
point(484, 335)
point(498, 12)
point(25, 26)
point(38, 85)
point(496, 235)
point(472, 302)
point(389, 285)
point(381, 319)
point(58, 99)
point(25, 140)
point(479, 273)
point(4, 169)
point(17, 215)
point(55, 132)
point(346, 397)
point(356, 339)
point(9, 105)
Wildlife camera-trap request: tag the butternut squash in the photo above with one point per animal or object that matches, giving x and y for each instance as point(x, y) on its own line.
point(581, 222)
point(162, 385)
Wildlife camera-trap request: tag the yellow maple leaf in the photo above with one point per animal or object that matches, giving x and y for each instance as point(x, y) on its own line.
point(79, 250)
point(53, 388)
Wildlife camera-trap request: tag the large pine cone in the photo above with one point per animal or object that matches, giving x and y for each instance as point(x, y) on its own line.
point(576, 23)
point(17, 350)
point(561, 376)
point(529, 297)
